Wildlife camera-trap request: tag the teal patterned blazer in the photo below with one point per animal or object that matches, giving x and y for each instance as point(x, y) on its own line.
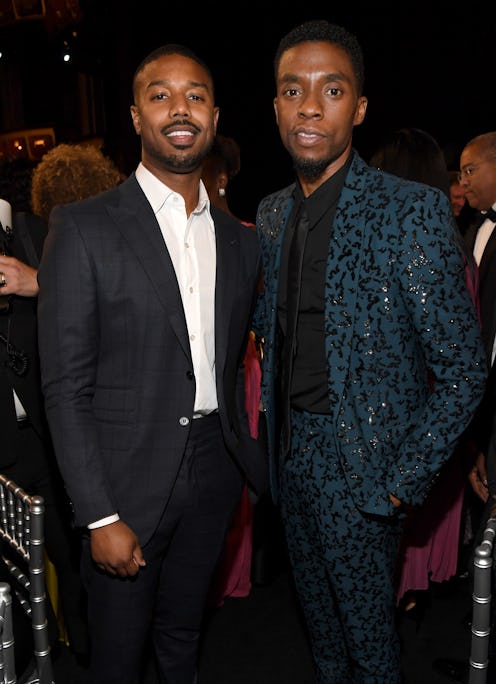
point(397, 316)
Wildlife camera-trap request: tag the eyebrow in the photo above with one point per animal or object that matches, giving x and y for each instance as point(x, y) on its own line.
point(334, 76)
point(192, 84)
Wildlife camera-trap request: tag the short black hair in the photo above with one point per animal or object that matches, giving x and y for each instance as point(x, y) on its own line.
point(322, 30)
point(171, 49)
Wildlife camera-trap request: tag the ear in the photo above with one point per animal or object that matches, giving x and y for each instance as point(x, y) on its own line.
point(222, 181)
point(136, 119)
point(275, 110)
point(360, 110)
point(216, 117)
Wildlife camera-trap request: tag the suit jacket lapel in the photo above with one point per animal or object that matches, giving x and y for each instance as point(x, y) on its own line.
point(139, 227)
point(343, 268)
point(227, 247)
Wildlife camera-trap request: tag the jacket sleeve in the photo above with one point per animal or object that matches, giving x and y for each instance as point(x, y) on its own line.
point(67, 334)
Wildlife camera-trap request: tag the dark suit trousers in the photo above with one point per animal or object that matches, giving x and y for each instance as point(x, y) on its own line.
point(343, 563)
point(166, 599)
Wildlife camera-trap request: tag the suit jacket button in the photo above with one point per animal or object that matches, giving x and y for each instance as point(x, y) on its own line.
point(189, 375)
point(183, 421)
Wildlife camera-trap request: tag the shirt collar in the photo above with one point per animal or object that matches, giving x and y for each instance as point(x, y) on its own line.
point(203, 199)
point(157, 192)
point(326, 195)
point(485, 211)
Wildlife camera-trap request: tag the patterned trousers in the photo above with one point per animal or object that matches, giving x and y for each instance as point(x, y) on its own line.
point(343, 562)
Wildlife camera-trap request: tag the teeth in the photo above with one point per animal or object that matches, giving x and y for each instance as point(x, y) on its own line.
point(180, 133)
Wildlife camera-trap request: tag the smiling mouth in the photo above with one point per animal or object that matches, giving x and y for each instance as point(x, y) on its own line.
point(174, 134)
point(181, 138)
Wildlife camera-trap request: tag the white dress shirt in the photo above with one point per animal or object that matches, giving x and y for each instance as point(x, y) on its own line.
point(191, 245)
point(483, 234)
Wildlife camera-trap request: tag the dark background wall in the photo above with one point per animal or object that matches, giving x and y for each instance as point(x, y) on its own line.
point(427, 65)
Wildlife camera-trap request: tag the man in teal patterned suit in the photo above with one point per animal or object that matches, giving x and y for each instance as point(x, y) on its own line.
point(355, 432)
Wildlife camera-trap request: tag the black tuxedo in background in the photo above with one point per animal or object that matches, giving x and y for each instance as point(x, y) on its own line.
point(487, 283)
point(26, 454)
point(479, 430)
point(119, 388)
point(482, 430)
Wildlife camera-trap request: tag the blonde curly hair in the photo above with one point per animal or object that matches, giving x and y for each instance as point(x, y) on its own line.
point(70, 172)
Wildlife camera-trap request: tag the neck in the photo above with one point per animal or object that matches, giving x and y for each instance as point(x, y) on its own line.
point(185, 184)
point(221, 203)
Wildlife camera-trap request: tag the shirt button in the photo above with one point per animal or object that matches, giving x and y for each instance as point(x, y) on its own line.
point(183, 421)
point(192, 338)
point(189, 375)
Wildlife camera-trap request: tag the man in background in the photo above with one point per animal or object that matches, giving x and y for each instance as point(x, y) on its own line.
point(478, 180)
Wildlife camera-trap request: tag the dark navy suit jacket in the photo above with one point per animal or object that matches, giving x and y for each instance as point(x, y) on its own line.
point(116, 364)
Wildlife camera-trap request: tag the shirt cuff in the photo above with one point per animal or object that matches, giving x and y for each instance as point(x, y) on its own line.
point(104, 521)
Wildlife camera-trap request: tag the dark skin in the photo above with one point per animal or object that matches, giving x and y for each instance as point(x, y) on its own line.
point(175, 115)
point(214, 177)
point(317, 107)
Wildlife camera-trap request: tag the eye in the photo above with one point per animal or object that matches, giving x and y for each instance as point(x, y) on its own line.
point(290, 92)
point(159, 96)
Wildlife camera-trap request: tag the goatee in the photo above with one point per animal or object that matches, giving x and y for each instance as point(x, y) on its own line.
point(310, 169)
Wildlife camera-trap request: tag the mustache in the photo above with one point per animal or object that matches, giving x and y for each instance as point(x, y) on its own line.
point(187, 124)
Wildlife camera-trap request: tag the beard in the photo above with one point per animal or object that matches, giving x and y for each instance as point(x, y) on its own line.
point(310, 169)
point(177, 162)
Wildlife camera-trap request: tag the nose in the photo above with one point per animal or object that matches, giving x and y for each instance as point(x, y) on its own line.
point(310, 107)
point(179, 106)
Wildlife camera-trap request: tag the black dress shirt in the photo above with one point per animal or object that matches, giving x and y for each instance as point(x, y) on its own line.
point(310, 374)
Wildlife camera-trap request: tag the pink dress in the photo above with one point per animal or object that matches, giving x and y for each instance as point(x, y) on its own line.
point(429, 548)
point(233, 573)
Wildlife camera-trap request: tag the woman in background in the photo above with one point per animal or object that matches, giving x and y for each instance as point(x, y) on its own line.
point(233, 576)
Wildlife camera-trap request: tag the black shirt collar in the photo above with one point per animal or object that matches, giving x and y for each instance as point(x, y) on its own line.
point(325, 196)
